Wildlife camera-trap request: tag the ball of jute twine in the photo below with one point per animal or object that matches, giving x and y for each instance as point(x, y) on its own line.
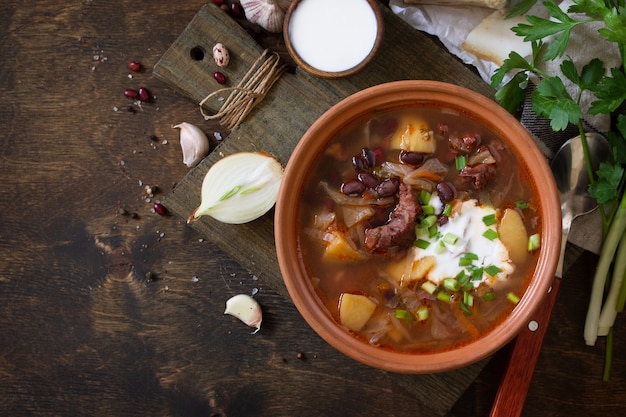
point(252, 88)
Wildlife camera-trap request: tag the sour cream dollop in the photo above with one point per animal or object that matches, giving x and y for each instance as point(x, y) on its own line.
point(468, 228)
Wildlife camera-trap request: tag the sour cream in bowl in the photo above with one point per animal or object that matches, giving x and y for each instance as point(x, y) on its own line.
point(333, 39)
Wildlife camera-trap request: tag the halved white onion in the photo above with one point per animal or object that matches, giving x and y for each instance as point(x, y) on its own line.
point(240, 188)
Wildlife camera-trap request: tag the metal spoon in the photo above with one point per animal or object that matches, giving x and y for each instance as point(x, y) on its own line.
point(572, 180)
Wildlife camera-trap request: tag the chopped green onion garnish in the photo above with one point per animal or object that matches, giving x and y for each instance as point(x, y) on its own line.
point(451, 284)
point(444, 296)
point(421, 231)
point(429, 287)
point(433, 231)
point(429, 221)
point(424, 197)
point(428, 210)
point(465, 309)
point(465, 262)
point(440, 248)
point(422, 313)
point(447, 210)
point(462, 277)
point(512, 298)
point(489, 296)
point(477, 274)
point(471, 255)
point(404, 315)
point(489, 219)
point(467, 259)
point(521, 205)
point(468, 299)
point(450, 238)
point(492, 270)
point(460, 162)
point(422, 244)
point(490, 234)
point(534, 242)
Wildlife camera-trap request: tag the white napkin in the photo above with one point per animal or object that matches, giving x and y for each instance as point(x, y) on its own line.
point(452, 24)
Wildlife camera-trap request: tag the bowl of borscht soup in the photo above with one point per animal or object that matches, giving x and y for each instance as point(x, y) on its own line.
point(417, 226)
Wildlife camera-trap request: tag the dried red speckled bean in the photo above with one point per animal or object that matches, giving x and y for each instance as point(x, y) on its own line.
point(221, 55)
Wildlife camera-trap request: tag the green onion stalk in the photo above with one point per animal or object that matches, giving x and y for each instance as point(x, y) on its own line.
point(549, 39)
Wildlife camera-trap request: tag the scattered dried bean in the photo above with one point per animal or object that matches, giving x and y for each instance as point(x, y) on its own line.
point(144, 94)
point(236, 10)
point(134, 66)
point(160, 209)
point(131, 93)
point(221, 55)
point(219, 77)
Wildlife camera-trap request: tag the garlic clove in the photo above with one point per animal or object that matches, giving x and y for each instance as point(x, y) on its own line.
point(193, 142)
point(246, 309)
point(240, 188)
point(266, 13)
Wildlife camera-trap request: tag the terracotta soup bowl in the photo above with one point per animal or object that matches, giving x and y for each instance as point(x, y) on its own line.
point(417, 227)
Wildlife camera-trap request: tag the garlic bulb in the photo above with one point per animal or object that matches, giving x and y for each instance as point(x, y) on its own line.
point(240, 188)
point(246, 309)
point(266, 13)
point(193, 142)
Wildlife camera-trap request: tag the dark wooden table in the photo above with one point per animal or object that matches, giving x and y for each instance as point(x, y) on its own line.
point(109, 309)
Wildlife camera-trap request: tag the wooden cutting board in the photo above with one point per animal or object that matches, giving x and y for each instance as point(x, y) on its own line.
point(276, 125)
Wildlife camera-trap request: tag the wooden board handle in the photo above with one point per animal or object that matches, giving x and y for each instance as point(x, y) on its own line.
point(513, 388)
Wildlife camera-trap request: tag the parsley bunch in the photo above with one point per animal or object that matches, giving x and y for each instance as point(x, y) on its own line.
point(549, 39)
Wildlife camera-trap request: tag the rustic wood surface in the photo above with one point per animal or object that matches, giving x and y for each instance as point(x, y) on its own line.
point(108, 309)
point(276, 126)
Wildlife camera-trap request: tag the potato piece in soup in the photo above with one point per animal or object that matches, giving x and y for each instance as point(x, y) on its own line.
point(340, 249)
point(513, 235)
point(355, 310)
point(414, 135)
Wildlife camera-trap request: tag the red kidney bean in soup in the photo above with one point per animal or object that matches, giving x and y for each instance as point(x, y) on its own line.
point(419, 229)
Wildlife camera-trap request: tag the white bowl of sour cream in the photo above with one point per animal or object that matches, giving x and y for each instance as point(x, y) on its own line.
point(331, 38)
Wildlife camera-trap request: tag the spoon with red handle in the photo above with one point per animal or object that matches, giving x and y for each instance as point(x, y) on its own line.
point(572, 180)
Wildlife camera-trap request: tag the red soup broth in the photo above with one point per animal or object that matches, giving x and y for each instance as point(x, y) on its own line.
point(374, 217)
